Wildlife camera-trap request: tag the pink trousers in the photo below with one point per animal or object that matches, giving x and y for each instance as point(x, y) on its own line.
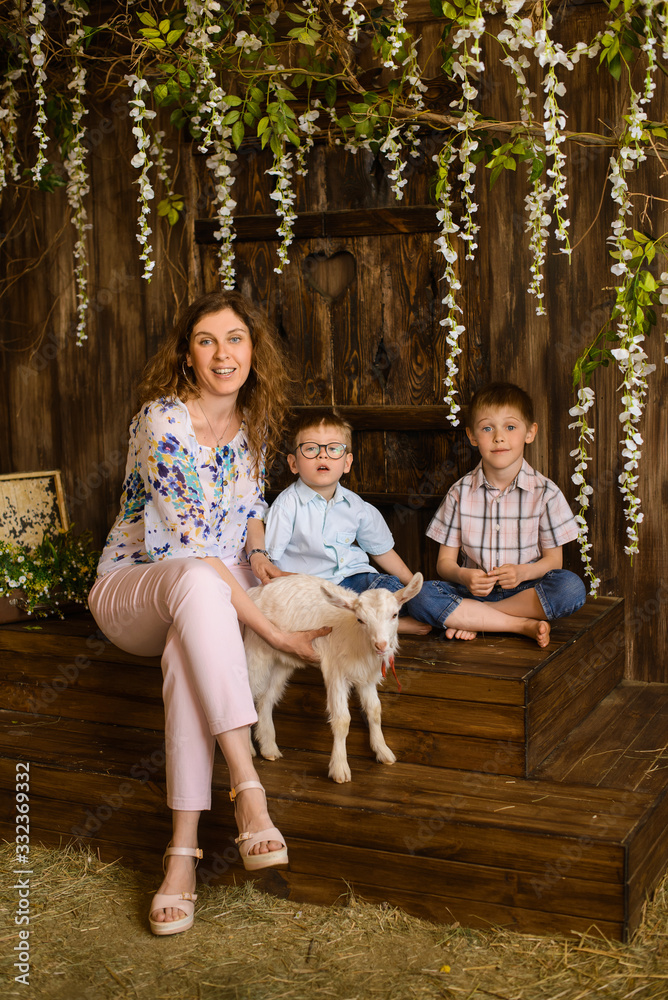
point(181, 609)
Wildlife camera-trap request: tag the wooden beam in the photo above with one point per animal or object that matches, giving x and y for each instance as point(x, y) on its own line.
point(392, 418)
point(315, 225)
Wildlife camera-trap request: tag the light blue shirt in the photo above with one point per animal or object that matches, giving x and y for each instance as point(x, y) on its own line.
point(304, 533)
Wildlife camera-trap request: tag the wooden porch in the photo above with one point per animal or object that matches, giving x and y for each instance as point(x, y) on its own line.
point(530, 789)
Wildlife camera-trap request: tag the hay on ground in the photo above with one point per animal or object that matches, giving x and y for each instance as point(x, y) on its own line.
point(89, 940)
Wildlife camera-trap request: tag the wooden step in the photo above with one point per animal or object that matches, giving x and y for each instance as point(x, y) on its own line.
point(496, 704)
point(573, 846)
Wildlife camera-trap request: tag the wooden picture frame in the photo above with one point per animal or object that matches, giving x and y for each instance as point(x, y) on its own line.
point(30, 504)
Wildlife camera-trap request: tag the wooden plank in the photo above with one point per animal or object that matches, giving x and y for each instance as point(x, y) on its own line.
point(392, 417)
point(327, 225)
point(578, 752)
point(300, 810)
point(409, 746)
point(416, 713)
point(569, 712)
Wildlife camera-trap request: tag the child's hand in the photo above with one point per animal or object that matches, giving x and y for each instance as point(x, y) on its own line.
point(509, 575)
point(478, 582)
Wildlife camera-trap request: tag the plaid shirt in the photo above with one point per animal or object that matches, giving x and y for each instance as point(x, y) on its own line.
point(493, 527)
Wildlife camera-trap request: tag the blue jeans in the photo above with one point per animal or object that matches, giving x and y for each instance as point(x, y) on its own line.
point(560, 592)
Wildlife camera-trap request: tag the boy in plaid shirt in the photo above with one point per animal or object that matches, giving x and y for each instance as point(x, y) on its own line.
point(507, 521)
point(319, 527)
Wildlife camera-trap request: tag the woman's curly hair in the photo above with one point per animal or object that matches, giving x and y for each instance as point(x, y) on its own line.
point(263, 399)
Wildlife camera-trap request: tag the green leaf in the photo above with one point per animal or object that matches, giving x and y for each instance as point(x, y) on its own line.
point(647, 281)
point(615, 67)
point(164, 26)
point(147, 19)
point(231, 116)
point(237, 133)
point(168, 68)
point(449, 11)
point(640, 237)
point(233, 100)
point(161, 93)
point(174, 35)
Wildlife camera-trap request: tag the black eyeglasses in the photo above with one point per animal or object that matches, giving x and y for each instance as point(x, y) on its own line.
point(310, 449)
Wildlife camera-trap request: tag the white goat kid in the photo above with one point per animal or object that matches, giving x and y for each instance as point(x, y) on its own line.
point(362, 642)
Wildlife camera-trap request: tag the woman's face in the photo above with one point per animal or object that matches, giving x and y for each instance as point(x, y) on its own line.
point(220, 353)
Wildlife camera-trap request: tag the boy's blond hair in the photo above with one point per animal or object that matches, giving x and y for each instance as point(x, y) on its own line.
point(498, 395)
point(316, 417)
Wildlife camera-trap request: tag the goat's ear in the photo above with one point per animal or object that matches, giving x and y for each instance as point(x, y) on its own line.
point(410, 590)
point(338, 595)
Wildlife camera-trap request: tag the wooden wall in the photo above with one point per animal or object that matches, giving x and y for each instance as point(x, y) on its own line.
point(359, 309)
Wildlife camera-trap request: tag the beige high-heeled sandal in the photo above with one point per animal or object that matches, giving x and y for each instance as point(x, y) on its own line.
point(247, 841)
point(183, 901)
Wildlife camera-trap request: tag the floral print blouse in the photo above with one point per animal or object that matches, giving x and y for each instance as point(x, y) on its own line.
point(181, 498)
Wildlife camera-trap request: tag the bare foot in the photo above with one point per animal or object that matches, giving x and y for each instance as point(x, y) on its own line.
point(251, 816)
point(411, 626)
point(179, 877)
point(540, 631)
point(459, 633)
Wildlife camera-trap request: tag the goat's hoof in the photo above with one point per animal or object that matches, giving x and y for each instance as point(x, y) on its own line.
point(272, 754)
point(341, 776)
point(386, 756)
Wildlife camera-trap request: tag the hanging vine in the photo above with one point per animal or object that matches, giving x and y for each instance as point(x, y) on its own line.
point(283, 75)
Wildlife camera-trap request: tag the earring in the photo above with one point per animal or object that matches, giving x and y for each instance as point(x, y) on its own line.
point(185, 373)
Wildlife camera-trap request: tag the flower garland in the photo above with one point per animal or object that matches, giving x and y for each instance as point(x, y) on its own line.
point(395, 35)
point(463, 63)
point(210, 99)
point(535, 202)
point(141, 160)
point(35, 18)
point(284, 196)
point(585, 402)
point(448, 228)
point(78, 181)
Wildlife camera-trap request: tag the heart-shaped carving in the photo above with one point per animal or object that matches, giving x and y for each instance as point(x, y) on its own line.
point(330, 276)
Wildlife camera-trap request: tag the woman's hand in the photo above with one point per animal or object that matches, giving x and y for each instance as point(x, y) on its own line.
point(263, 568)
point(299, 643)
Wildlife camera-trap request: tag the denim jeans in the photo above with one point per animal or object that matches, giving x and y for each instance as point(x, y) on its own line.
point(560, 592)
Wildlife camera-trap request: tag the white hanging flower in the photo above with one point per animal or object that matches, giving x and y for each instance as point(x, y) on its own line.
point(284, 196)
point(585, 402)
point(448, 228)
point(35, 18)
point(306, 125)
point(355, 18)
point(210, 99)
point(141, 160)
point(78, 184)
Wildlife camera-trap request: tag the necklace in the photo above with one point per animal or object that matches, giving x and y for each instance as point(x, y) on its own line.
point(224, 431)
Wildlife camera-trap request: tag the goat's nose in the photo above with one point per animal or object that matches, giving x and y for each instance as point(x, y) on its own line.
point(381, 646)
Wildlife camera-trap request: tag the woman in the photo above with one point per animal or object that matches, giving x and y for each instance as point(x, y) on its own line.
point(187, 543)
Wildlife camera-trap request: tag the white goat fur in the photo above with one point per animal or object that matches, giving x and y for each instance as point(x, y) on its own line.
point(363, 636)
